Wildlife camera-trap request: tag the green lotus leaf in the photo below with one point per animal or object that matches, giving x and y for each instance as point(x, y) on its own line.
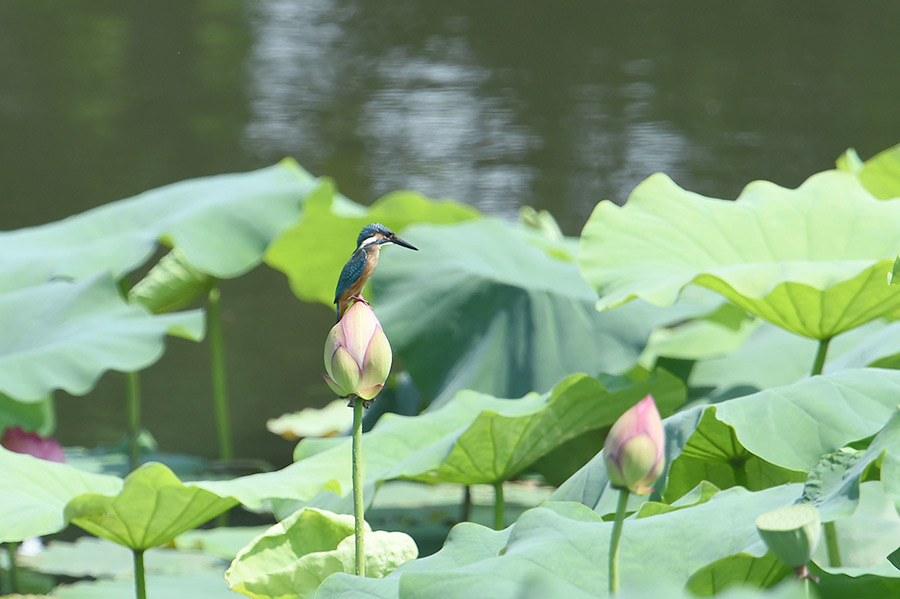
point(313, 252)
point(97, 558)
point(867, 537)
point(291, 559)
point(565, 545)
point(35, 492)
point(223, 542)
point(794, 426)
point(767, 438)
point(773, 251)
point(152, 508)
point(475, 438)
point(223, 224)
point(512, 317)
point(64, 335)
point(196, 585)
point(172, 284)
point(736, 570)
point(713, 453)
point(35, 416)
point(329, 421)
point(879, 174)
point(773, 357)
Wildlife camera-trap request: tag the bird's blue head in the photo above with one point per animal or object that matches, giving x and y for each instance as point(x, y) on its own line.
point(376, 233)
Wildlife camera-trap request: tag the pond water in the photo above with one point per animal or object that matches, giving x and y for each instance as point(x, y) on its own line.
point(498, 104)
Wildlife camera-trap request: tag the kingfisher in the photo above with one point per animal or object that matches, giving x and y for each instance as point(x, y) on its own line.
point(362, 263)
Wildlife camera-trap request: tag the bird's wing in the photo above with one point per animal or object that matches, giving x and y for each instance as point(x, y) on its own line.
point(351, 272)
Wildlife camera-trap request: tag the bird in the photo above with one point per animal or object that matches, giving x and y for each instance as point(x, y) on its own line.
point(362, 263)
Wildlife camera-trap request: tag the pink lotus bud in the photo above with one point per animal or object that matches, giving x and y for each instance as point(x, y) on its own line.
point(634, 449)
point(17, 440)
point(357, 354)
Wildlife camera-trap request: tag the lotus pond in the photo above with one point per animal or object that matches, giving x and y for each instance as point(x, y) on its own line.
point(763, 328)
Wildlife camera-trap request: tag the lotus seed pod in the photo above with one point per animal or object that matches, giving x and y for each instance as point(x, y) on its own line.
point(791, 533)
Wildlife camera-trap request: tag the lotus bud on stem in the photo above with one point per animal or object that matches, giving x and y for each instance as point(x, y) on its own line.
point(357, 363)
point(634, 455)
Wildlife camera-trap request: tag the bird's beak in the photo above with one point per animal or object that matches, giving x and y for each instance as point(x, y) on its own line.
point(405, 244)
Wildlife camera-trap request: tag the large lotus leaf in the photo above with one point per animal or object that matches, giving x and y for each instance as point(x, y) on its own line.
point(833, 484)
point(867, 537)
point(35, 416)
point(196, 585)
point(152, 508)
point(34, 494)
point(313, 252)
point(772, 433)
point(568, 543)
point(223, 542)
point(172, 284)
point(64, 335)
point(879, 174)
point(291, 559)
point(793, 426)
point(223, 224)
point(775, 252)
point(481, 307)
point(93, 557)
point(433, 445)
point(713, 453)
point(773, 357)
point(741, 569)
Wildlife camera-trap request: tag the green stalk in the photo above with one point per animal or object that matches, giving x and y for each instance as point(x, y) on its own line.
point(220, 389)
point(618, 524)
point(134, 419)
point(13, 568)
point(467, 503)
point(358, 507)
point(806, 588)
point(831, 540)
point(140, 587)
point(819, 362)
point(498, 505)
point(133, 399)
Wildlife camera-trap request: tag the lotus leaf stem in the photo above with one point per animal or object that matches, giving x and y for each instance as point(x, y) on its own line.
point(831, 539)
point(134, 419)
point(13, 568)
point(614, 539)
point(358, 507)
point(220, 388)
point(140, 586)
point(498, 505)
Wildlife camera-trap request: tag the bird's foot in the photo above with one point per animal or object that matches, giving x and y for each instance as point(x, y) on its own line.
point(365, 402)
point(359, 298)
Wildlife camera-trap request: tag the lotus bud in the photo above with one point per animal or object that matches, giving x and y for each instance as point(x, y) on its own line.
point(357, 354)
point(46, 448)
point(791, 533)
point(634, 451)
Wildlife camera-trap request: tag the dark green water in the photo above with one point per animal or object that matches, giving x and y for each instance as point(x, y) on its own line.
point(496, 103)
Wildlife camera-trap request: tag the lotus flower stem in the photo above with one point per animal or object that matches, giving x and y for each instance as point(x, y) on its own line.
point(220, 388)
point(140, 587)
point(614, 539)
point(358, 507)
point(13, 568)
point(498, 505)
point(831, 540)
point(134, 419)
